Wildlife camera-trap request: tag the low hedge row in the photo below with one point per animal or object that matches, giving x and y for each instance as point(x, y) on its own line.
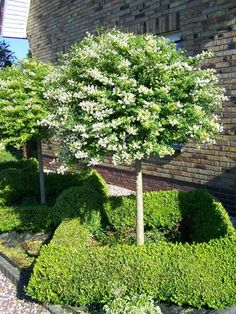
point(24, 218)
point(55, 183)
point(200, 275)
point(71, 233)
point(193, 216)
point(29, 164)
point(21, 183)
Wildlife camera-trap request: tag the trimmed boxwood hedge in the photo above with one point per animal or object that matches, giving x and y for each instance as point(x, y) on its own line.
point(79, 201)
point(200, 275)
point(24, 218)
point(71, 233)
point(17, 185)
point(56, 183)
point(21, 183)
point(29, 164)
point(77, 269)
point(194, 216)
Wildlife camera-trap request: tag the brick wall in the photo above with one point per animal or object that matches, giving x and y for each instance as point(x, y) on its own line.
point(204, 24)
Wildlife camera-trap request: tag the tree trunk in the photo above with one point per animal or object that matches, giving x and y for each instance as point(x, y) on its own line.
point(25, 151)
point(41, 174)
point(139, 203)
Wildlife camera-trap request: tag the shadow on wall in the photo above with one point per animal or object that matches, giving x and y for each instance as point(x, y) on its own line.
point(223, 188)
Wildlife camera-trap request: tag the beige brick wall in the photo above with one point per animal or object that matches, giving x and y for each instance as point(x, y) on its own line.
point(205, 24)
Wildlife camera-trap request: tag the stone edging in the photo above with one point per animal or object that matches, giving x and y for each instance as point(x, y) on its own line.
point(13, 274)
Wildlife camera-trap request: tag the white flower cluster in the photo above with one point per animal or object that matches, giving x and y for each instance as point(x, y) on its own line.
point(130, 99)
point(98, 76)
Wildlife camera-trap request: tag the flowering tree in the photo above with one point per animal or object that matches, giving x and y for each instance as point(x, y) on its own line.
point(22, 106)
point(130, 96)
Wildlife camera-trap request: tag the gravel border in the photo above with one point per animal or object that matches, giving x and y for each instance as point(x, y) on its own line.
point(12, 297)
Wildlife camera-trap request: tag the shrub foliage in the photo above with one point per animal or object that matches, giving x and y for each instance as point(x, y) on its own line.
point(23, 218)
point(184, 216)
point(77, 269)
point(19, 181)
point(201, 275)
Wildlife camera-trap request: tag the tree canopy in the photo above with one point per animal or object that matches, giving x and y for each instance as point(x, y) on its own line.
point(22, 102)
point(130, 96)
point(23, 106)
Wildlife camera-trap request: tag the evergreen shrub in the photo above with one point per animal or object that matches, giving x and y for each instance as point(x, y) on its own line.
point(23, 218)
point(56, 183)
point(200, 275)
point(17, 184)
point(20, 183)
point(75, 268)
point(82, 202)
point(27, 164)
point(193, 216)
point(71, 233)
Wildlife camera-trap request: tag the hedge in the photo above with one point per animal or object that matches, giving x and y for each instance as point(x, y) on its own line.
point(57, 183)
point(77, 269)
point(24, 218)
point(71, 233)
point(193, 216)
point(82, 202)
point(16, 185)
point(22, 183)
point(200, 275)
point(29, 164)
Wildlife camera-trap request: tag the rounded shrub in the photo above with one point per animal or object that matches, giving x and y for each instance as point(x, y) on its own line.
point(95, 181)
point(82, 202)
point(56, 183)
point(204, 218)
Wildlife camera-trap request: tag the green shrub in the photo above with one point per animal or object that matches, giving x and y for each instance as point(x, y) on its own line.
point(18, 180)
point(56, 183)
point(17, 185)
point(200, 275)
point(95, 181)
point(204, 218)
point(183, 216)
point(23, 218)
point(30, 164)
point(72, 234)
point(161, 210)
point(82, 202)
point(21, 182)
point(75, 269)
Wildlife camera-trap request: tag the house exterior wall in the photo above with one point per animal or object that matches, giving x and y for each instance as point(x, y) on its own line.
point(55, 25)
